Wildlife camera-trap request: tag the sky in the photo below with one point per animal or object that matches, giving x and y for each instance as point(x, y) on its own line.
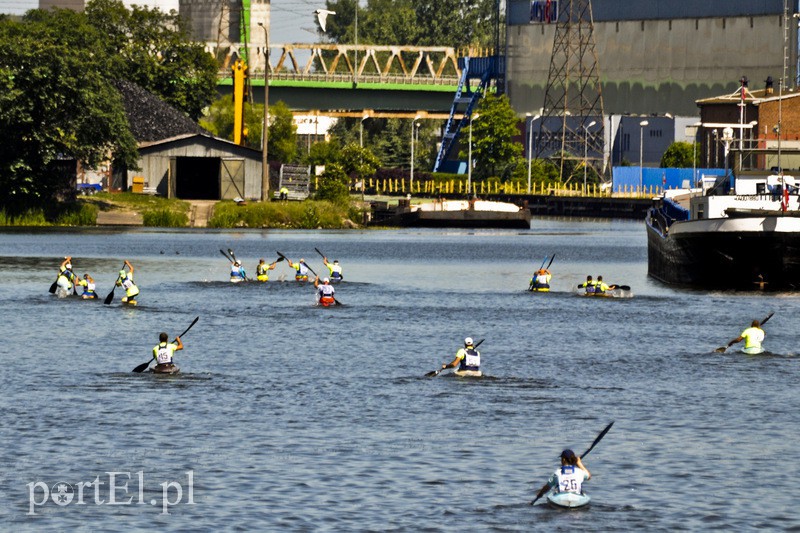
point(292, 20)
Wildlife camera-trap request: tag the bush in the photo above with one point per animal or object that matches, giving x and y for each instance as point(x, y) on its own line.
point(31, 217)
point(333, 185)
point(165, 218)
point(300, 215)
point(81, 214)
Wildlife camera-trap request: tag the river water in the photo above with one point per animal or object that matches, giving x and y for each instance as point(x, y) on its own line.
point(291, 417)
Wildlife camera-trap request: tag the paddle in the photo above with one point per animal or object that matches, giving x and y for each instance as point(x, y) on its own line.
point(226, 255)
point(54, 286)
point(621, 287)
point(722, 349)
point(143, 366)
point(584, 454)
point(434, 373)
point(110, 296)
point(320, 253)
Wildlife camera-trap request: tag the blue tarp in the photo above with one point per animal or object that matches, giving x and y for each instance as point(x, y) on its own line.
point(655, 179)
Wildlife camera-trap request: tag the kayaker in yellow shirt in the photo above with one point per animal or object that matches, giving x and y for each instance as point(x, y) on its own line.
point(163, 351)
point(262, 269)
point(752, 337)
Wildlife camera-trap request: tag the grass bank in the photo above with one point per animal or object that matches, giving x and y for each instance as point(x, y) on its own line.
point(309, 214)
point(73, 214)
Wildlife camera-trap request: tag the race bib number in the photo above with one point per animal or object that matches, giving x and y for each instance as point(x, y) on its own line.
point(163, 355)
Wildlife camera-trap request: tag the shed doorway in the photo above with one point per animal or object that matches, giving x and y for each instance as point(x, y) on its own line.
point(197, 178)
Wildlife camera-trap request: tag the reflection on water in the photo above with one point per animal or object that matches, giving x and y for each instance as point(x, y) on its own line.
point(294, 417)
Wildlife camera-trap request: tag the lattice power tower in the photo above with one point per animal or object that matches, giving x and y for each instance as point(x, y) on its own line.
point(573, 97)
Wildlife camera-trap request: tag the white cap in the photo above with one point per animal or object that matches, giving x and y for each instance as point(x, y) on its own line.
point(468, 341)
point(68, 265)
point(325, 280)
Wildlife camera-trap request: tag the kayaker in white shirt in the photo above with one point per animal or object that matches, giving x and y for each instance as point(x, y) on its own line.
point(568, 478)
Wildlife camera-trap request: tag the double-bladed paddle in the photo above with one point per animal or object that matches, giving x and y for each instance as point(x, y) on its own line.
point(434, 373)
point(584, 454)
point(226, 255)
point(143, 366)
point(110, 296)
point(320, 253)
point(722, 349)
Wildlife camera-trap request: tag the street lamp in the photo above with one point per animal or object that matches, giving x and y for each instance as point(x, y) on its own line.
point(414, 125)
point(530, 145)
point(727, 137)
point(585, 150)
point(265, 125)
point(642, 124)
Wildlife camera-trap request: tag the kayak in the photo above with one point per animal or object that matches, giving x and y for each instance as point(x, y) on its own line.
point(167, 368)
point(612, 293)
point(468, 373)
point(540, 289)
point(237, 280)
point(568, 500)
point(753, 350)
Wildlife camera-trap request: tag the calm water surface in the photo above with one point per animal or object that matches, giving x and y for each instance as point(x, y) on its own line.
point(289, 417)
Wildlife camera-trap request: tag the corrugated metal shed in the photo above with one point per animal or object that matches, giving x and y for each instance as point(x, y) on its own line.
point(199, 166)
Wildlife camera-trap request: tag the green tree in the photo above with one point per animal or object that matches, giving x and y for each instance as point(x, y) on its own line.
point(679, 155)
point(282, 133)
point(322, 153)
point(359, 161)
point(456, 23)
point(493, 148)
point(155, 50)
point(333, 184)
point(56, 102)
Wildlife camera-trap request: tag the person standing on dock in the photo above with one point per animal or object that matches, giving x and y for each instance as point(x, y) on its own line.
point(569, 477)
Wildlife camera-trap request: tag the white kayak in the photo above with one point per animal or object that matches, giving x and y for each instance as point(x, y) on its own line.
point(468, 373)
point(753, 350)
point(568, 500)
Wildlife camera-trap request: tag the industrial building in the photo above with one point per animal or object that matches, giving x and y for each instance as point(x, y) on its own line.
point(658, 56)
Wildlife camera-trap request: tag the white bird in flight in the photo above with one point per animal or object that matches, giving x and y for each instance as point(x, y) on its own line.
point(322, 14)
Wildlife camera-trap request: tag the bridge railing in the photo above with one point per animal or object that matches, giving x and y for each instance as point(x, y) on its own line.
point(419, 65)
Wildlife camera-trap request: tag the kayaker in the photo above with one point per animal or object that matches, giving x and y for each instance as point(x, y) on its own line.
point(125, 280)
point(588, 286)
point(325, 292)
point(600, 287)
point(237, 272)
point(334, 268)
point(752, 337)
point(262, 269)
point(467, 358)
point(66, 277)
point(88, 287)
point(301, 270)
point(164, 351)
point(568, 478)
point(540, 281)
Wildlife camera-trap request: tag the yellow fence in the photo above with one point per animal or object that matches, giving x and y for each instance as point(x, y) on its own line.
point(401, 186)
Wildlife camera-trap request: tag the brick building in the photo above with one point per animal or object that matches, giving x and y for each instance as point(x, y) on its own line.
point(753, 116)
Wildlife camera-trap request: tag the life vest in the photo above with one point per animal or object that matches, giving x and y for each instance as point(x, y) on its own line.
point(589, 287)
point(237, 272)
point(163, 353)
point(600, 287)
point(471, 360)
point(336, 271)
point(302, 272)
point(541, 281)
point(570, 479)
